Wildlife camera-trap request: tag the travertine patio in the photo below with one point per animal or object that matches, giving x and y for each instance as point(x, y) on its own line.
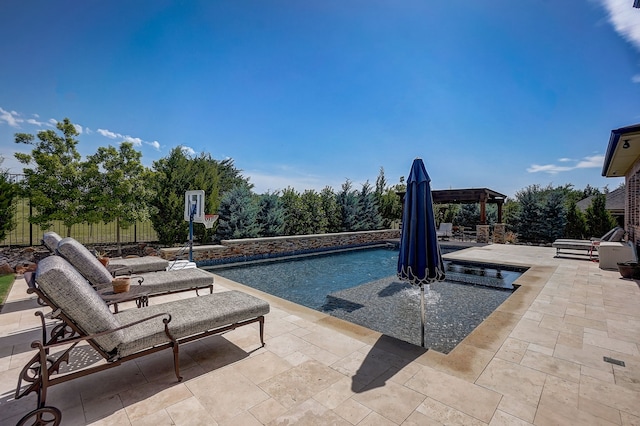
point(537, 360)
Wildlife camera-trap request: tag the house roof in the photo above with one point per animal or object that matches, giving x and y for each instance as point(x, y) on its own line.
point(622, 152)
point(469, 195)
point(614, 203)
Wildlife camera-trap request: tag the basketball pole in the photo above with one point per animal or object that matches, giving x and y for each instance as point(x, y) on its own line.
point(192, 213)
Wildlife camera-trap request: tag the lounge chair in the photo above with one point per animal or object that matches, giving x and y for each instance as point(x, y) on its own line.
point(157, 283)
point(116, 337)
point(125, 266)
point(614, 235)
point(445, 230)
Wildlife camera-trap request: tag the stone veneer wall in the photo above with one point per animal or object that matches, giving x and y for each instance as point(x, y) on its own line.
point(261, 248)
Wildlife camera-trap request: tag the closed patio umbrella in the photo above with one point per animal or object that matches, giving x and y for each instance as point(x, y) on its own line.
point(419, 260)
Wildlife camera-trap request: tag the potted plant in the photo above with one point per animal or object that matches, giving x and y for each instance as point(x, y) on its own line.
point(103, 258)
point(121, 284)
point(629, 269)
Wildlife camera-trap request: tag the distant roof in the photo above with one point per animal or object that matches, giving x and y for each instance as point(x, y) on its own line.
point(614, 203)
point(468, 195)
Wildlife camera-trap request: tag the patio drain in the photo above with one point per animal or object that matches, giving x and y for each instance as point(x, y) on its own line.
point(614, 361)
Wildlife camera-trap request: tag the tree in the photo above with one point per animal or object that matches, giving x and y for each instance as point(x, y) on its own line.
point(369, 213)
point(529, 220)
point(554, 216)
point(271, 216)
point(8, 193)
point(468, 215)
point(331, 209)
point(295, 212)
point(598, 218)
point(55, 185)
point(576, 226)
point(348, 203)
point(117, 187)
point(238, 215)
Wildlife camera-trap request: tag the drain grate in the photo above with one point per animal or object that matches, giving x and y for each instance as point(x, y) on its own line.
point(614, 361)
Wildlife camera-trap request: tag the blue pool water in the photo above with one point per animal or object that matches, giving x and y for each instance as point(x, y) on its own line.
point(360, 286)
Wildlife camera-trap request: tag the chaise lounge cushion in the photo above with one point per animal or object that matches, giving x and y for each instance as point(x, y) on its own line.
point(180, 280)
point(188, 317)
point(85, 262)
point(50, 240)
point(137, 265)
point(71, 292)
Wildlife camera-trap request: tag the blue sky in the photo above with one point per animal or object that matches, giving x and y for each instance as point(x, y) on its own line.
point(497, 93)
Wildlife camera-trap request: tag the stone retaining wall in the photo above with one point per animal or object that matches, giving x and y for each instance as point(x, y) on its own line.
point(261, 248)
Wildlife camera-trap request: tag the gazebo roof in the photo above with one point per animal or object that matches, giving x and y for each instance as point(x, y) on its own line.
point(468, 195)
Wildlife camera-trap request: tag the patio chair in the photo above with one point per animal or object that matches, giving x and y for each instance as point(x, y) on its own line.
point(123, 266)
point(84, 318)
point(156, 283)
point(445, 230)
point(591, 245)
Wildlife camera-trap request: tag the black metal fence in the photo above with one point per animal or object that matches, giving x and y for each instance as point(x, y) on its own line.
point(27, 234)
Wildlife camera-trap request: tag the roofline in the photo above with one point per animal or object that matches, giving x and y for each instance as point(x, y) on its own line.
point(613, 144)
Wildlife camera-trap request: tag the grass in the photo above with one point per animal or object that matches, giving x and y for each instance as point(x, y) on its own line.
point(99, 233)
point(5, 285)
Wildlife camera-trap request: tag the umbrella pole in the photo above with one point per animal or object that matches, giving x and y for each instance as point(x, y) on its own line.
point(422, 313)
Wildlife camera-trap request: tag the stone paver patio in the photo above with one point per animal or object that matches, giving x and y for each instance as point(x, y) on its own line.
point(538, 359)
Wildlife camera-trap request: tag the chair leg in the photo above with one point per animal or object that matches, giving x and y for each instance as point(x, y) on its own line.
point(261, 319)
point(176, 361)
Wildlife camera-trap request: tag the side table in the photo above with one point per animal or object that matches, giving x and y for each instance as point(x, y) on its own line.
point(136, 293)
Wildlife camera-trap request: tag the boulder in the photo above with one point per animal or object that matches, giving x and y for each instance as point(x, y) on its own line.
point(5, 269)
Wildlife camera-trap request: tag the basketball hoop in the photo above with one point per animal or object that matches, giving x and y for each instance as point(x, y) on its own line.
point(209, 220)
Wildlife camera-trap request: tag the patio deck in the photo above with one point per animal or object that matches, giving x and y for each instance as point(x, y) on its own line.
point(538, 359)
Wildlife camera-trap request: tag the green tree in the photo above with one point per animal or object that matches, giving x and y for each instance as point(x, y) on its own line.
point(331, 209)
point(295, 212)
point(271, 216)
point(238, 215)
point(55, 185)
point(468, 215)
point(171, 179)
point(348, 203)
point(529, 221)
point(576, 226)
point(118, 190)
point(599, 220)
point(315, 218)
point(554, 216)
point(8, 193)
point(369, 214)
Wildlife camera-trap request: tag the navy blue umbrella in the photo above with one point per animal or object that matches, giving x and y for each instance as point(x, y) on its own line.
point(419, 260)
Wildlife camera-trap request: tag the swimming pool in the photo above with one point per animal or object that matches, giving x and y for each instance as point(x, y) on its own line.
point(360, 286)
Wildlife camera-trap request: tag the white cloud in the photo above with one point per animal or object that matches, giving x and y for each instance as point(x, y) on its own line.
point(154, 144)
point(107, 133)
point(11, 118)
point(625, 19)
point(592, 161)
point(636, 78)
point(565, 160)
point(36, 115)
point(78, 128)
point(134, 141)
point(35, 122)
point(188, 150)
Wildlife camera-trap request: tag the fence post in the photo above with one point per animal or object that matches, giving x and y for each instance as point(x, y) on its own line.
point(30, 224)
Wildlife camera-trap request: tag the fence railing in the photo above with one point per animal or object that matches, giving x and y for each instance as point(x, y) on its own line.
point(27, 234)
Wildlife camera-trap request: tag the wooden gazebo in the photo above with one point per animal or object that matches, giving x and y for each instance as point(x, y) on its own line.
point(471, 196)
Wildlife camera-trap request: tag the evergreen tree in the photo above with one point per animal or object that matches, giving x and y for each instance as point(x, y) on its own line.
point(529, 221)
point(468, 216)
point(599, 220)
point(576, 226)
point(331, 209)
point(271, 216)
point(370, 218)
point(554, 217)
point(55, 185)
point(294, 212)
point(348, 202)
point(238, 214)
point(314, 217)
